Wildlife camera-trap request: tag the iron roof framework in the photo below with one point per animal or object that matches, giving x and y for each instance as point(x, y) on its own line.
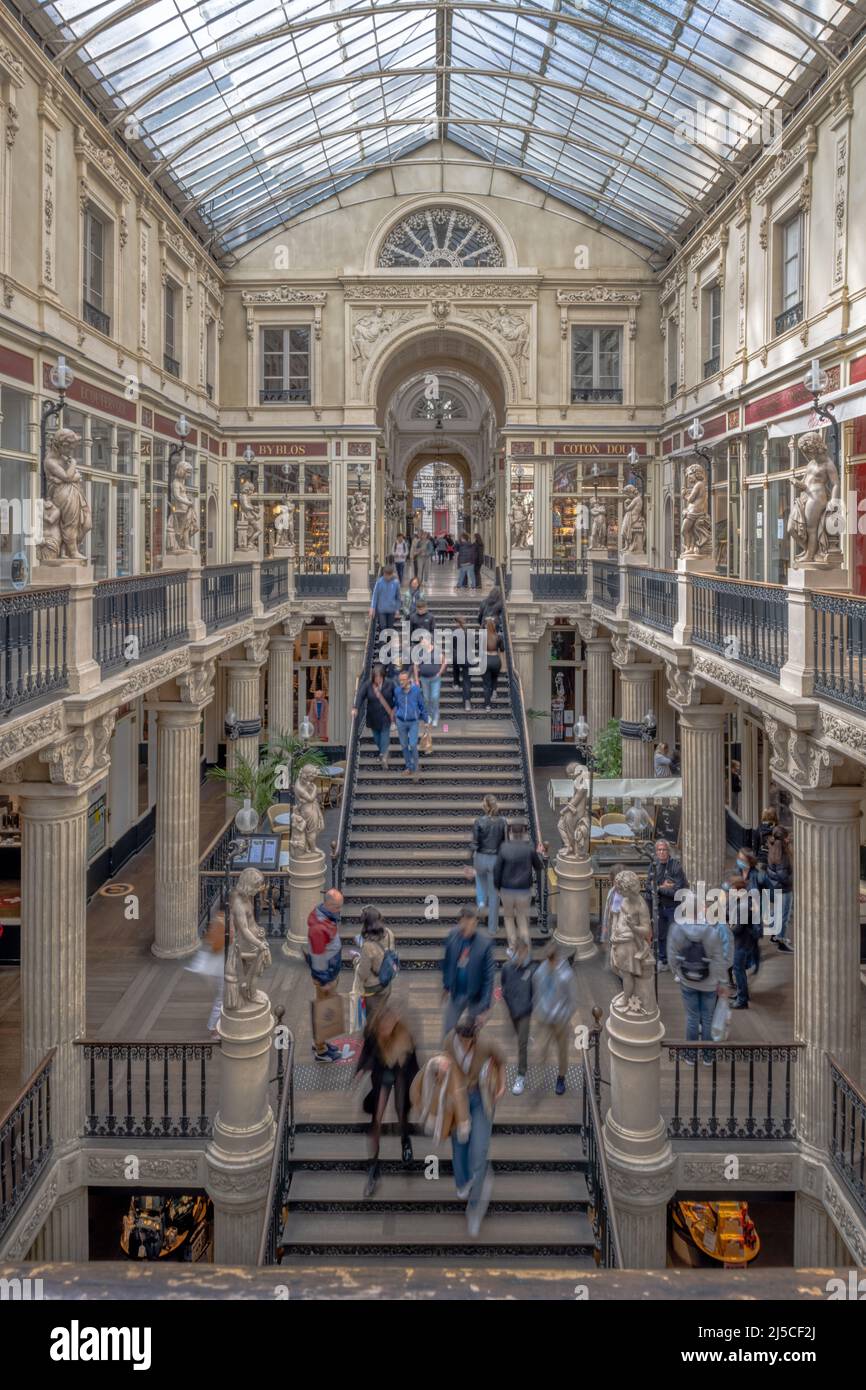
point(639, 114)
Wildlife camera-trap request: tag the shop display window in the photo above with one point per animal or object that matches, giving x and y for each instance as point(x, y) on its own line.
point(15, 423)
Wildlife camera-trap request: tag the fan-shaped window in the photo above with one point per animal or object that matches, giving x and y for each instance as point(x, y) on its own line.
point(452, 408)
point(440, 237)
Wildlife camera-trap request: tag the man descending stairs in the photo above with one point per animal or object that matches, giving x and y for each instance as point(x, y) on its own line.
point(409, 853)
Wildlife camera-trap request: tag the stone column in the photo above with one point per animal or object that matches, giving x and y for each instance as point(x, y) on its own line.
point(243, 695)
point(703, 813)
point(826, 933)
point(574, 879)
point(53, 939)
point(239, 1155)
point(280, 690)
point(177, 830)
point(599, 680)
point(636, 684)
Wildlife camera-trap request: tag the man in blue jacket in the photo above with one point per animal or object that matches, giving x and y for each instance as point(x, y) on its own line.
point(385, 602)
point(468, 969)
point(409, 708)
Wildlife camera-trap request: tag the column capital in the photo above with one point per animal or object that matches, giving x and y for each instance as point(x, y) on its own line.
point(803, 766)
point(293, 625)
point(684, 688)
point(82, 757)
point(703, 716)
point(196, 686)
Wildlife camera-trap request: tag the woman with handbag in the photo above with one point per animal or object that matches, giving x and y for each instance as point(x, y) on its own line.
point(374, 702)
point(389, 1056)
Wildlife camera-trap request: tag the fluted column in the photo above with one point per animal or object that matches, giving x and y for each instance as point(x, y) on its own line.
point(637, 699)
point(64, 1235)
point(53, 943)
point(280, 689)
point(243, 695)
point(817, 1243)
point(177, 830)
point(826, 932)
point(599, 685)
point(703, 772)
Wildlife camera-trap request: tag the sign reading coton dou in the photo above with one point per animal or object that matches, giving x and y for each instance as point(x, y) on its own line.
point(599, 448)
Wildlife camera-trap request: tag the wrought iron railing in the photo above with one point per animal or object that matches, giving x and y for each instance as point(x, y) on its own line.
point(789, 319)
point(146, 1090)
point(518, 712)
point(558, 579)
point(25, 1141)
point(270, 1251)
point(294, 395)
point(601, 1211)
point(746, 622)
point(848, 1132)
point(605, 585)
point(340, 845)
point(211, 868)
point(610, 394)
point(33, 646)
point(171, 364)
point(652, 598)
point(137, 618)
point(226, 594)
point(321, 576)
point(839, 631)
point(273, 911)
point(274, 582)
point(97, 319)
point(725, 1091)
point(712, 364)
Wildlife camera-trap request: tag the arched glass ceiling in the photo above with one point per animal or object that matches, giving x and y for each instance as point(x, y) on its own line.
point(634, 111)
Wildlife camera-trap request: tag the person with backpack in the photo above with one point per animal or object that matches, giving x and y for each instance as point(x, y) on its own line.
point(465, 562)
point(697, 954)
point(410, 599)
point(666, 875)
point(388, 1054)
point(516, 980)
point(740, 923)
point(495, 655)
point(325, 954)
point(780, 877)
point(488, 832)
point(401, 555)
point(428, 673)
point(441, 549)
point(747, 867)
point(554, 1000)
point(385, 600)
point(374, 703)
point(377, 964)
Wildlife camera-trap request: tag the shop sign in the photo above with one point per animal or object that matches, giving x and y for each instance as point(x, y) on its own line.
point(16, 364)
point(788, 399)
point(594, 448)
point(163, 425)
point(283, 449)
point(83, 393)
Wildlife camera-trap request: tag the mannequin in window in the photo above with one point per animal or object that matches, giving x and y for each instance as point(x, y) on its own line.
point(317, 713)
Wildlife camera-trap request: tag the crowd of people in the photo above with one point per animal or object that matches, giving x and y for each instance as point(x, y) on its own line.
point(424, 550)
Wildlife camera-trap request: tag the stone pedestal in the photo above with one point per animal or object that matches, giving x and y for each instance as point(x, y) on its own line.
point(177, 831)
point(826, 933)
point(686, 565)
point(239, 1155)
point(798, 673)
point(599, 685)
point(84, 671)
point(638, 560)
point(637, 685)
point(599, 553)
point(306, 889)
point(574, 878)
point(359, 575)
point(53, 944)
point(639, 1155)
point(280, 692)
point(521, 578)
point(703, 820)
point(191, 562)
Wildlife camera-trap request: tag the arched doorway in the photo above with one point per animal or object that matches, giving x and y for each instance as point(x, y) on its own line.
point(437, 489)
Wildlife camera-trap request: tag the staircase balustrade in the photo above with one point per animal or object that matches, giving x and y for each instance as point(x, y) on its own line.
point(33, 647)
point(848, 1132)
point(25, 1141)
point(284, 1146)
point(128, 1082)
point(598, 1185)
point(744, 1093)
point(338, 848)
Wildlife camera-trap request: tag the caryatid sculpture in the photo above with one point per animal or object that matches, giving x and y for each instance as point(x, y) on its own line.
point(182, 525)
point(696, 530)
point(66, 516)
point(574, 823)
point(598, 526)
point(307, 806)
point(359, 521)
point(633, 532)
point(631, 953)
point(815, 520)
point(249, 517)
point(521, 521)
point(248, 954)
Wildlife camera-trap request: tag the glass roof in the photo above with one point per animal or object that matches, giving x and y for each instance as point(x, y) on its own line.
point(249, 112)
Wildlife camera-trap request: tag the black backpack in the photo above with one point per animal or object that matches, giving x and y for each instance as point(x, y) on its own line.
point(692, 962)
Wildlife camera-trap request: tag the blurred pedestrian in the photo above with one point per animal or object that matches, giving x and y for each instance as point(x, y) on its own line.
point(374, 703)
point(409, 710)
point(554, 1000)
point(465, 562)
point(516, 862)
point(480, 1071)
point(491, 607)
point(429, 672)
point(468, 968)
point(488, 832)
point(326, 959)
point(377, 963)
point(385, 600)
point(494, 657)
point(388, 1054)
point(401, 555)
point(460, 662)
point(516, 978)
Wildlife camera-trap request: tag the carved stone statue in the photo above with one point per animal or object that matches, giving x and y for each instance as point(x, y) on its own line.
point(696, 528)
point(359, 521)
point(298, 838)
point(182, 527)
point(521, 521)
point(248, 954)
point(308, 808)
point(369, 329)
point(283, 525)
point(632, 537)
point(598, 527)
point(815, 521)
point(249, 517)
point(631, 955)
point(574, 823)
point(66, 516)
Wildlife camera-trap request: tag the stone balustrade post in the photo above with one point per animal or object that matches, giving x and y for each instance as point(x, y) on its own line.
point(83, 670)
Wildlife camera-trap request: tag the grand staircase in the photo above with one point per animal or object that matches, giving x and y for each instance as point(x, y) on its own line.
point(408, 842)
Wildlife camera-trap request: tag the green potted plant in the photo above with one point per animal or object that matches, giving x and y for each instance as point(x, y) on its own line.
point(608, 751)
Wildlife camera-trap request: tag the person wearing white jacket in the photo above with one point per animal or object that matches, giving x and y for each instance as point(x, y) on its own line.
point(697, 957)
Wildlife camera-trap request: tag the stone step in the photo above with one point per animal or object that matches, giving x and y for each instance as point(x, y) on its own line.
point(410, 1234)
point(438, 770)
point(400, 913)
point(463, 803)
point(410, 1188)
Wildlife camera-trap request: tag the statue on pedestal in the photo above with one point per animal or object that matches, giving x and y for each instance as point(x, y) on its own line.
point(283, 516)
point(598, 526)
point(249, 517)
point(631, 953)
point(815, 521)
point(308, 808)
point(182, 523)
point(66, 517)
point(521, 521)
point(249, 954)
point(633, 533)
point(696, 530)
point(359, 521)
point(574, 823)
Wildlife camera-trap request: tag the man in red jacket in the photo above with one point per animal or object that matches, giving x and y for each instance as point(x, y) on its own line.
point(326, 959)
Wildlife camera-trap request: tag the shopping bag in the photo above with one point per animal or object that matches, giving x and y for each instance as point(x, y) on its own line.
point(721, 1023)
point(328, 1017)
point(425, 742)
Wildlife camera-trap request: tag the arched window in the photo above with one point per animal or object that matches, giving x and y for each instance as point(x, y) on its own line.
point(440, 237)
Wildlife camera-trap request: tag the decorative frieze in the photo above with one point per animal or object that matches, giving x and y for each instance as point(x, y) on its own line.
point(852, 736)
point(443, 290)
point(511, 328)
point(30, 733)
point(153, 673)
point(369, 331)
point(284, 294)
point(103, 159)
point(800, 152)
point(598, 294)
point(840, 209)
point(169, 237)
point(726, 676)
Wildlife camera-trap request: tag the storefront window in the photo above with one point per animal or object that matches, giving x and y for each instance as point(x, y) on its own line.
point(75, 420)
point(125, 501)
point(734, 507)
point(755, 452)
point(100, 444)
point(755, 534)
point(316, 540)
point(14, 429)
point(17, 523)
point(778, 455)
point(99, 502)
point(316, 477)
point(125, 451)
point(778, 508)
point(564, 682)
point(312, 681)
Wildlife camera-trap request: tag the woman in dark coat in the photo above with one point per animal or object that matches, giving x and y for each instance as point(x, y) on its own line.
point(479, 558)
point(388, 1054)
point(491, 607)
point(375, 703)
